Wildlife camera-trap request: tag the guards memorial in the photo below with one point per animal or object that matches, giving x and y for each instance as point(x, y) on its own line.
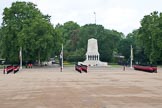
point(92, 54)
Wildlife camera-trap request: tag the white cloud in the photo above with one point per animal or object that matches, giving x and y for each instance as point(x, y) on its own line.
point(121, 15)
point(120, 18)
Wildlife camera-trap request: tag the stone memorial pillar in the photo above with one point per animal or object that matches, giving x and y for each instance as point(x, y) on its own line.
point(92, 54)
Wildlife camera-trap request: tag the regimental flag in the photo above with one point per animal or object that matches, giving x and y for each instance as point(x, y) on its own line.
point(131, 53)
point(61, 58)
point(20, 57)
point(20, 53)
point(131, 57)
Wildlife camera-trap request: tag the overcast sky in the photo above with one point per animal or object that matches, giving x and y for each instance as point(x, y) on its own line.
point(121, 15)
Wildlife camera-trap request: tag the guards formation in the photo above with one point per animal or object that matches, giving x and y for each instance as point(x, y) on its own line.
point(11, 68)
point(81, 68)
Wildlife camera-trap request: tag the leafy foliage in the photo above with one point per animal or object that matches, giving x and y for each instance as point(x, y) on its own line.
point(76, 38)
point(150, 36)
point(25, 26)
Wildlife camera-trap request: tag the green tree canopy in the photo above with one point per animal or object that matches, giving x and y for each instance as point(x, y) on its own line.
point(25, 26)
point(75, 40)
point(150, 36)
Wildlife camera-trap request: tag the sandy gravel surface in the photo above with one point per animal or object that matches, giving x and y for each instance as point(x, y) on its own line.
point(101, 87)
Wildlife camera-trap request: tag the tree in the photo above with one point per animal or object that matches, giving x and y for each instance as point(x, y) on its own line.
point(150, 36)
point(108, 40)
point(69, 33)
point(109, 44)
point(25, 26)
point(0, 42)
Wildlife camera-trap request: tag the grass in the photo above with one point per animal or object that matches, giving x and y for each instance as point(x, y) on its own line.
point(160, 66)
point(115, 66)
point(68, 63)
point(1, 66)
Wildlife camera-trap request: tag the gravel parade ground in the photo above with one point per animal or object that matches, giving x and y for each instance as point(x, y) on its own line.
point(101, 87)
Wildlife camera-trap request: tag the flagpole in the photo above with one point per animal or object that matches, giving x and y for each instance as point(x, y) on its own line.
point(62, 57)
point(131, 57)
point(95, 16)
point(20, 54)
